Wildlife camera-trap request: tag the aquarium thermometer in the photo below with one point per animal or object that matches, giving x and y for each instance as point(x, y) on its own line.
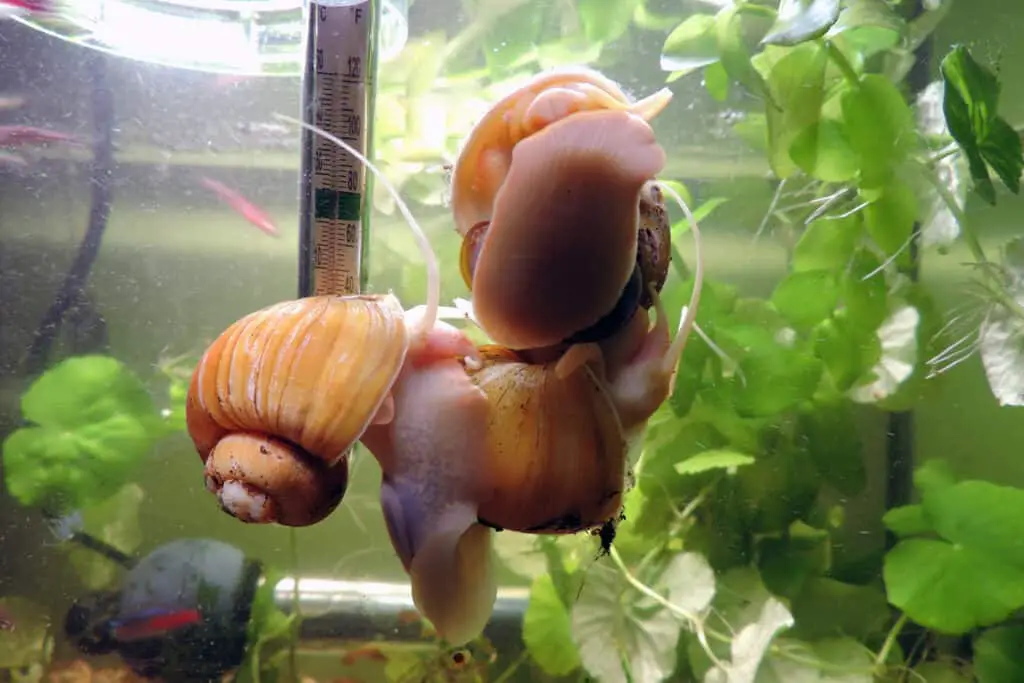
point(338, 96)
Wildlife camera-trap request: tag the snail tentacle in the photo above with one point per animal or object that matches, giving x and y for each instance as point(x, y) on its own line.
point(652, 105)
point(675, 352)
point(645, 380)
point(425, 323)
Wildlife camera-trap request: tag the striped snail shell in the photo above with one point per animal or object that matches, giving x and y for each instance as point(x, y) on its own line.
point(280, 397)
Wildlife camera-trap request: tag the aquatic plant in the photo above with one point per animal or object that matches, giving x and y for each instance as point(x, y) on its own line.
point(270, 638)
point(732, 565)
point(91, 423)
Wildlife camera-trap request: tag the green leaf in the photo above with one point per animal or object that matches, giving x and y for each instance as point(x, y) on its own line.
point(625, 637)
point(898, 337)
point(806, 297)
point(605, 21)
point(822, 151)
point(682, 226)
point(827, 244)
point(788, 560)
point(890, 219)
point(868, 27)
point(753, 130)
point(951, 589)
point(797, 83)
point(835, 660)
point(865, 293)
point(943, 671)
point(1001, 338)
point(999, 655)
point(716, 81)
point(981, 515)
point(1001, 148)
point(832, 438)
point(515, 35)
point(846, 349)
point(750, 644)
point(908, 520)
point(973, 576)
point(83, 390)
point(774, 379)
point(713, 460)
point(933, 476)
point(970, 104)
point(691, 45)
point(96, 421)
point(547, 630)
point(66, 470)
point(829, 608)
point(114, 521)
point(734, 54)
point(880, 128)
point(972, 95)
point(801, 20)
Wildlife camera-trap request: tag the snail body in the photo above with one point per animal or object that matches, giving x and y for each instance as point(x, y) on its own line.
point(434, 473)
point(547, 195)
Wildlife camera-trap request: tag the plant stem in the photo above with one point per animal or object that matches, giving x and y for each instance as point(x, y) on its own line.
point(997, 289)
point(890, 641)
point(513, 667)
point(840, 60)
point(293, 551)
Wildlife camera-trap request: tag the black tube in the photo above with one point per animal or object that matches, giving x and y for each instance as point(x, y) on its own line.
point(72, 290)
point(900, 444)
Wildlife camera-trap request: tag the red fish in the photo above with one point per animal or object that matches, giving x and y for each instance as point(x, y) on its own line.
point(153, 623)
point(11, 136)
point(6, 622)
point(28, 5)
point(367, 652)
point(243, 206)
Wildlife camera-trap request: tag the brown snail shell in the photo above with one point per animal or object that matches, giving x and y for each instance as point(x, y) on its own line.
point(654, 243)
point(557, 451)
point(271, 407)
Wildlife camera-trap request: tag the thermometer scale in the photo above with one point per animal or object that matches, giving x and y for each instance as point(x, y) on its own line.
point(338, 90)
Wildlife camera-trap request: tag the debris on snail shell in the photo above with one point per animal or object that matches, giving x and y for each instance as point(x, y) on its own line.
point(548, 194)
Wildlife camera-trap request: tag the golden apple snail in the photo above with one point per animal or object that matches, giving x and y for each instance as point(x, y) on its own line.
point(548, 193)
point(278, 399)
